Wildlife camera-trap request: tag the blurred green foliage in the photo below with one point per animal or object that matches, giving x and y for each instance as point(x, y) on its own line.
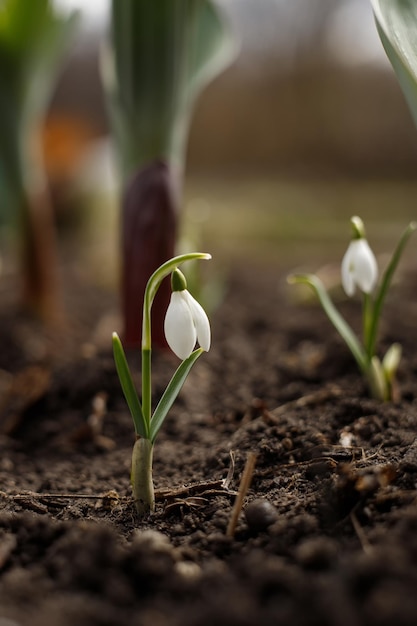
point(32, 41)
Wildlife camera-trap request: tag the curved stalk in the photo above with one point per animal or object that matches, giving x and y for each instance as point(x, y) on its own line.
point(367, 324)
point(152, 287)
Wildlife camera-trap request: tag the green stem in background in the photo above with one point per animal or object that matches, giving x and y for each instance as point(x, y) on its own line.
point(334, 316)
point(367, 317)
point(383, 290)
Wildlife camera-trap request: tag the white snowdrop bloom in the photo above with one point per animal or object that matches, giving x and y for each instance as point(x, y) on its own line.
point(359, 267)
point(185, 323)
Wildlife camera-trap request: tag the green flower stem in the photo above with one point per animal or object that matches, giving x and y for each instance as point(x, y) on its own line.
point(141, 476)
point(147, 384)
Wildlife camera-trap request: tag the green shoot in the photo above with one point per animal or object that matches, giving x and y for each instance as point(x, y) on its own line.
point(185, 323)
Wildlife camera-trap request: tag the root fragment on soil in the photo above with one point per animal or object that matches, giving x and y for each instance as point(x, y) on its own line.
point(43, 502)
point(211, 487)
point(243, 489)
point(366, 546)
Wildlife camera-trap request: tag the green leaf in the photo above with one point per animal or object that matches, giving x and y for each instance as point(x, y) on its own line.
point(171, 392)
point(163, 54)
point(135, 408)
point(334, 316)
point(385, 285)
point(396, 22)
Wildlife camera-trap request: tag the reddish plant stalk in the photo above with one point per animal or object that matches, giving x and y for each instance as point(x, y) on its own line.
point(149, 232)
point(39, 257)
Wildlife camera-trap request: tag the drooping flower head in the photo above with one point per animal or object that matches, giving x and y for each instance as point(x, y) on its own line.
point(359, 266)
point(186, 321)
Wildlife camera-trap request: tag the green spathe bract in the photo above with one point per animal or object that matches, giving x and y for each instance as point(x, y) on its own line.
point(379, 375)
point(146, 423)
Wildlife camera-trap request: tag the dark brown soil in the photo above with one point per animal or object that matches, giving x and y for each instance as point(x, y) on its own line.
point(328, 536)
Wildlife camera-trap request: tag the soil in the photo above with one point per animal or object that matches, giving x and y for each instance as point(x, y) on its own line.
point(328, 531)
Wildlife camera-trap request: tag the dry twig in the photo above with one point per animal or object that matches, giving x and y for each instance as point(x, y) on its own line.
point(243, 489)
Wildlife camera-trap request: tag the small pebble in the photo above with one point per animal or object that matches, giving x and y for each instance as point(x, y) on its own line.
point(317, 553)
point(260, 514)
point(152, 539)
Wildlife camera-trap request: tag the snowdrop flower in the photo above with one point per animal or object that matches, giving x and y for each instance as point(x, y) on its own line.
point(185, 321)
point(359, 266)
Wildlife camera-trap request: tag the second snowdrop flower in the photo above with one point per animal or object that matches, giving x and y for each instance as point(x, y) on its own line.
point(186, 321)
point(359, 269)
point(359, 266)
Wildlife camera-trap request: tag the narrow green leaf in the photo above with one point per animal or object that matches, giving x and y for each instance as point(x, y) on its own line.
point(385, 285)
point(141, 427)
point(334, 316)
point(396, 22)
point(171, 392)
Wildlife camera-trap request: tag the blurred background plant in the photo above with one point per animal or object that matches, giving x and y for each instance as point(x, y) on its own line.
point(161, 56)
point(33, 39)
point(396, 21)
point(307, 127)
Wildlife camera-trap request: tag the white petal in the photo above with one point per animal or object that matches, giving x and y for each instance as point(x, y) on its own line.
point(366, 268)
point(201, 321)
point(348, 265)
point(180, 331)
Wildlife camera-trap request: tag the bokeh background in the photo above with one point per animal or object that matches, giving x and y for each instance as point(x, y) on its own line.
point(305, 129)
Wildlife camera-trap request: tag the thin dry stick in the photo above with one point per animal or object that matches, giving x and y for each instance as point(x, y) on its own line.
point(67, 496)
point(243, 489)
point(366, 546)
